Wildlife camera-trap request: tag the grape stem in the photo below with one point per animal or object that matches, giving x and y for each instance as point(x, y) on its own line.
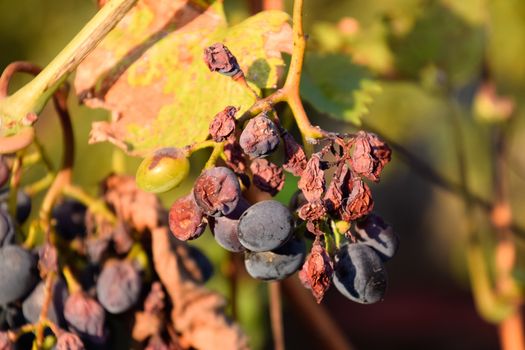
point(276, 317)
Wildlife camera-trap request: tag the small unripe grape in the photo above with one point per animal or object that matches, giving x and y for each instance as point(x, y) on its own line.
point(163, 170)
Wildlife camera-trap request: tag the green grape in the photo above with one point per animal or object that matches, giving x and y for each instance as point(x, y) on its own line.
point(163, 170)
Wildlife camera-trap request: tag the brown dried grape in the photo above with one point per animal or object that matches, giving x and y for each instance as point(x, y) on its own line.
point(85, 315)
point(336, 191)
point(234, 156)
point(359, 201)
point(217, 191)
point(312, 211)
point(260, 137)
point(317, 271)
point(312, 181)
point(69, 341)
point(186, 219)
point(219, 59)
point(223, 124)
point(294, 156)
point(267, 176)
point(370, 155)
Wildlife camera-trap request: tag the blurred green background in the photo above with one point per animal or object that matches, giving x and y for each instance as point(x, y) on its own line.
point(424, 62)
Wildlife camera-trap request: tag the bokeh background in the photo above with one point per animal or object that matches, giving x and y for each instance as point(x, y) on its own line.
point(429, 60)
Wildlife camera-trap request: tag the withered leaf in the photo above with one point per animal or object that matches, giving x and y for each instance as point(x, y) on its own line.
point(150, 74)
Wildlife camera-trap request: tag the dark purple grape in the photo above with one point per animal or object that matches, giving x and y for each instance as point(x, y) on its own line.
point(85, 315)
point(277, 264)
point(4, 171)
point(224, 228)
point(260, 137)
point(18, 274)
point(32, 305)
point(7, 230)
point(204, 264)
point(70, 219)
point(118, 286)
point(360, 274)
point(69, 341)
point(23, 207)
point(377, 234)
point(265, 226)
point(217, 191)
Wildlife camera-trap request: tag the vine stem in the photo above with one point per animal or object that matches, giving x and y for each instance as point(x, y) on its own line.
point(276, 316)
point(32, 97)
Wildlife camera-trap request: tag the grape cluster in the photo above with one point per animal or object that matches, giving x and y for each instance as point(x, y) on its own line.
point(94, 275)
point(350, 242)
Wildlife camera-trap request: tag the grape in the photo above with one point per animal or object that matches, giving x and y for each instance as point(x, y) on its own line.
point(217, 191)
point(202, 261)
point(7, 231)
point(186, 219)
point(163, 170)
point(118, 286)
point(23, 204)
point(17, 273)
point(265, 226)
point(4, 171)
point(69, 341)
point(23, 207)
point(70, 218)
point(260, 137)
point(32, 305)
point(377, 234)
point(224, 228)
point(277, 264)
point(85, 315)
point(360, 274)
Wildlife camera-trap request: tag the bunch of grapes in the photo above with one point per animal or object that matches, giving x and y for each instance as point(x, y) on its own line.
point(92, 276)
point(333, 208)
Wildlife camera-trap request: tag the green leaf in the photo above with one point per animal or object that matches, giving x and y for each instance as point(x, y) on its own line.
point(149, 72)
point(333, 85)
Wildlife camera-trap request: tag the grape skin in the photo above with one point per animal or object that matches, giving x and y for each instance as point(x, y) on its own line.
point(377, 234)
point(70, 218)
point(32, 305)
point(265, 226)
point(277, 264)
point(225, 231)
point(217, 191)
point(7, 230)
point(85, 315)
point(17, 273)
point(359, 273)
point(260, 137)
point(118, 286)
